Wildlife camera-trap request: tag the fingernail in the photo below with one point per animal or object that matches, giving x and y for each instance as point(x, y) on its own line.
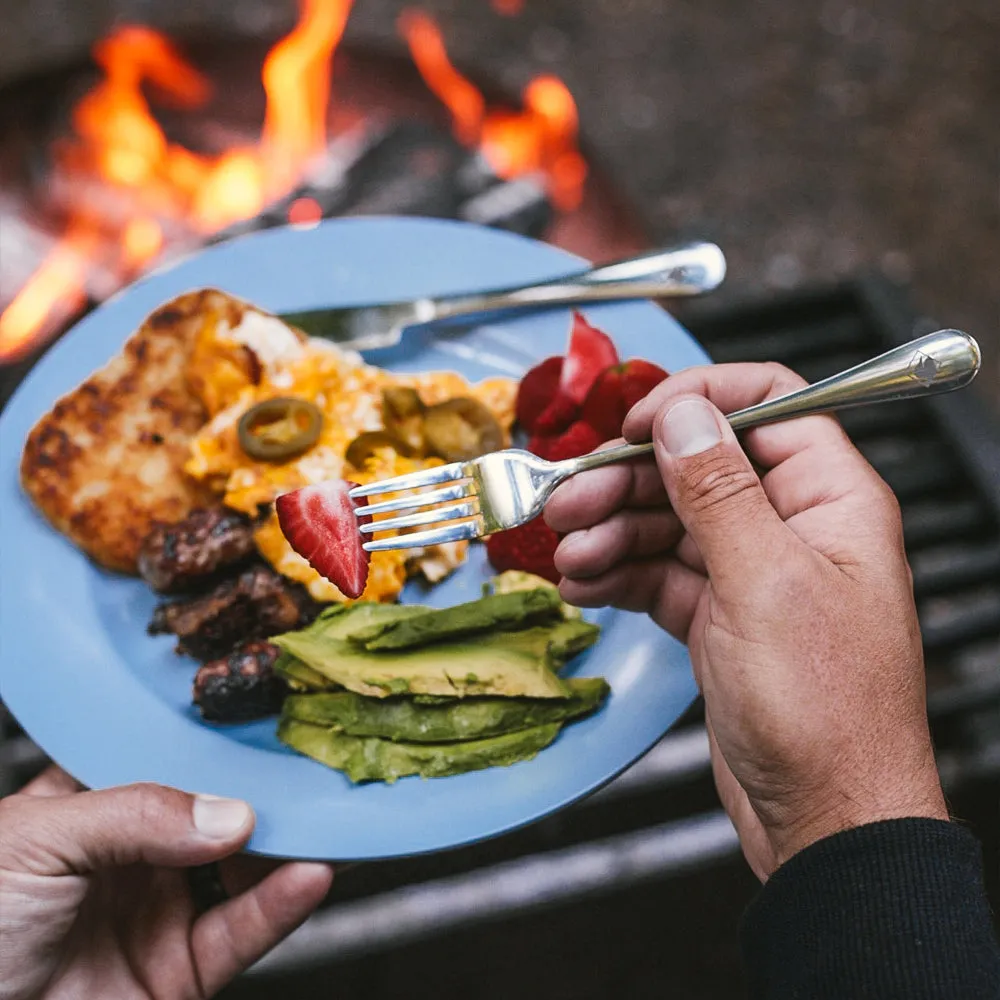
point(219, 818)
point(690, 427)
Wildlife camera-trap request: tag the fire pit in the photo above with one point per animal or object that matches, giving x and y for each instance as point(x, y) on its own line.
point(158, 148)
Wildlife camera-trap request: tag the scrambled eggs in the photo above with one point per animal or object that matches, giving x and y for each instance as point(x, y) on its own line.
point(233, 368)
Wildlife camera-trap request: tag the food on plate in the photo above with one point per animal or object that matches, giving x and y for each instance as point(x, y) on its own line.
point(491, 612)
point(578, 439)
point(176, 557)
point(498, 700)
point(590, 352)
point(506, 649)
point(215, 457)
point(517, 663)
point(353, 399)
point(569, 406)
point(374, 759)
point(461, 428)
point(451, 720)
point(107, 460)
point(278, 429)
point(242, 685)
point(530, 547)
point(537, 388)
point(616, 391)
point(321, 524)
point(299, 677)
point(435, 692)
point(253, 605)
point(513, 580)
point(565, 385)
point(368, 443)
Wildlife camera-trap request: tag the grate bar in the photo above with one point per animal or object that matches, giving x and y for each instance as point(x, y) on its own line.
point(960, 618)
point(512, 887)
point(927, 521)
point(953, 567)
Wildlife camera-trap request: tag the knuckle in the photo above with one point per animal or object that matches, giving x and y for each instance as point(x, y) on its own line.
point(10, 814)
point(718, 482)
point(148, 803)
point(782, 377)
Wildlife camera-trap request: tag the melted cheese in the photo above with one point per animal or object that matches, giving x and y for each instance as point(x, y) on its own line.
point(232, 369)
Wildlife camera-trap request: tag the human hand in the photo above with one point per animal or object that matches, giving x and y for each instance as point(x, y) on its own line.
point(792, 592)
point(95, 902)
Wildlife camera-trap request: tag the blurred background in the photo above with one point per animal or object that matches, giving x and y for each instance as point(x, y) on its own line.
point(843, 155)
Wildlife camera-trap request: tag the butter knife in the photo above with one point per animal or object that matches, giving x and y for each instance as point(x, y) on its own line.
point(690, 269)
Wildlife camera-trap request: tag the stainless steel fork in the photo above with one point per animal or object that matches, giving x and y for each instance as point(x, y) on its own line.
point(506, 488)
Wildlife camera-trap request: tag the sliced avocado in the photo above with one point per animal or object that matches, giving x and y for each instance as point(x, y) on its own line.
point(343, 621)
point(513, 580)
point(403, 721)
point(513, 664)
point(298, 676)
point(569, 638)
point(496, 612)
point(372, 759)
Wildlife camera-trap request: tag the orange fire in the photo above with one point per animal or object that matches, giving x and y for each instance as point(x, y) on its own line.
point(127, 192)
point(125, 185)
point(541, 138)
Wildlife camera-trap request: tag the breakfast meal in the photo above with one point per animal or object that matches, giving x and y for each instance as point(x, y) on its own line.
point(213, 458)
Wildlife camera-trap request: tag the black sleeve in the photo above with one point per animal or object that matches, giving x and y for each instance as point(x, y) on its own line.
point(891, 911)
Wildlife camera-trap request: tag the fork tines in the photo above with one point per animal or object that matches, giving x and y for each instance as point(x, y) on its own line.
point(465, 512)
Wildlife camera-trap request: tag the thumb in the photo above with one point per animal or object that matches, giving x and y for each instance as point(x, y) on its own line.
point(714, 490)
point(121, 826)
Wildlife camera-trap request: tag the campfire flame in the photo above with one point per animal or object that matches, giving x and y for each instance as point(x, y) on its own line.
point(126, 187)
point(127, 192)
point(541, 138)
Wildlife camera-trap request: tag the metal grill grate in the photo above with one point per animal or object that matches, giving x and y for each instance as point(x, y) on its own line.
point(942, 457)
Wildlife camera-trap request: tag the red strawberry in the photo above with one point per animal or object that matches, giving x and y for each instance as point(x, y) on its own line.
point(530, 548)
point(590, 352)
point(616, 391)
point(579, 439)
point(537, 388)
point(320, 524)
point(557, 416)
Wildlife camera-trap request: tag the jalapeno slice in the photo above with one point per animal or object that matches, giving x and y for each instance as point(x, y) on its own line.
point(366, 444)
point(281, 428)
point(403, 416)
point(461, 428)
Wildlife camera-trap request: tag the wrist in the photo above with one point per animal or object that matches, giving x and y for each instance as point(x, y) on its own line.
point(839, 812)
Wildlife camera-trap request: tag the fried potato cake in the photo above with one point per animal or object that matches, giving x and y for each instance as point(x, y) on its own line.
point(108, 459)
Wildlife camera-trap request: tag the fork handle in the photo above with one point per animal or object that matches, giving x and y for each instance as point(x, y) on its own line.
point(936, 362)
point(691, 269)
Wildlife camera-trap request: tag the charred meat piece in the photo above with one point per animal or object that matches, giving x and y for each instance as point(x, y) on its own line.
point(175, 557)
point(240, 686)
point(254, 605)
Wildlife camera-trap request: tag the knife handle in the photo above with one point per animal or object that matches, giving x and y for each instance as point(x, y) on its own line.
point(690, 269)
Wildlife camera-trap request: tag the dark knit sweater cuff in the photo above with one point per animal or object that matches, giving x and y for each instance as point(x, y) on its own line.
point(892, 909)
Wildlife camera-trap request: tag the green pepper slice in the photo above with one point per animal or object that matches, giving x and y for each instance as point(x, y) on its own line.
point(278, 429)
point(460, 429)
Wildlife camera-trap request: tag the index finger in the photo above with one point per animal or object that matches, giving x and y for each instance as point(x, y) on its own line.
point(733, 387)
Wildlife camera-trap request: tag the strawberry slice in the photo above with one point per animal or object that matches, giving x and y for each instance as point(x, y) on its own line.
point(531, 547)
point(320, 524)
point(590, 352)
point(578, 439)
point(537, 388)
point(616, 391)
point(557, 416)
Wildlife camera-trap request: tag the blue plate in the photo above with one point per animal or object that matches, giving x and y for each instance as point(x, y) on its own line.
point(112, 705)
